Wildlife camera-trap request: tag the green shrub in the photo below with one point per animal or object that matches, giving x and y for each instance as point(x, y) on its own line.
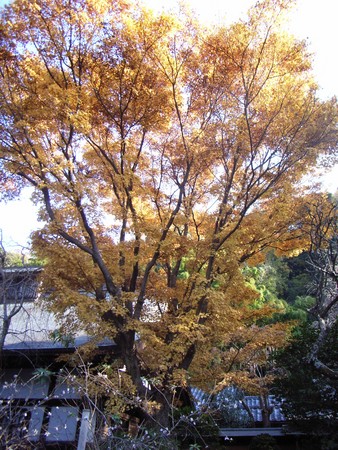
point(263, 442)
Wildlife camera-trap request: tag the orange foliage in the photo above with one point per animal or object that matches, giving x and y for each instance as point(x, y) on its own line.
point(163, 158)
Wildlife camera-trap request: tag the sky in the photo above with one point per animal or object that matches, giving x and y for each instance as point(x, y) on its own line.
point(312, 20)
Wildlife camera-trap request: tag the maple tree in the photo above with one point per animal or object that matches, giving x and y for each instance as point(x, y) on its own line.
point(164, 156)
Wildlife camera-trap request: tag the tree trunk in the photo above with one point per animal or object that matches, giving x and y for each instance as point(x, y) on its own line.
point(162, 416)
point(266, 410)
point(154, 414)
point(4, 331)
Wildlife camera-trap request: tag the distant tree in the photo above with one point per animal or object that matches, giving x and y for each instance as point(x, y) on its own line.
point(16, 259)
point(323, 253)
point(310, 387)
point(270, 279)
point(300, 277)
point(309, 396)
point(13, 259)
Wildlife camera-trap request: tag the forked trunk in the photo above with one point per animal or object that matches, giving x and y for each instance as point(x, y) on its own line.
point(156, 407)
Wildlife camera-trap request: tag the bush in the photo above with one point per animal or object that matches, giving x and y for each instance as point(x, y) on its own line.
point(263, 442)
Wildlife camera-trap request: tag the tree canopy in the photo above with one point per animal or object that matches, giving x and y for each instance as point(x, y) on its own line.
point(163, 156)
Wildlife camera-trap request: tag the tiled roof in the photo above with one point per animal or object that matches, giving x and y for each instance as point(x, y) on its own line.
point(230, 396)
